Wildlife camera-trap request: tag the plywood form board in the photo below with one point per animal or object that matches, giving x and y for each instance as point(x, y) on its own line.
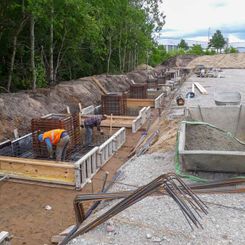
point(49, 171)
point(116, 121)
point(140, 102)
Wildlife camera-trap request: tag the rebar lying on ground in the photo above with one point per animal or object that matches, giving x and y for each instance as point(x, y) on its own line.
point(189, 203)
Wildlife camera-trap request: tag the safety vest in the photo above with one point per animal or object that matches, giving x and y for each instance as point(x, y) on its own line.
point(53, 135)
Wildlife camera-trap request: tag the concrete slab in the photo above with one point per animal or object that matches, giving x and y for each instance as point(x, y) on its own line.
point(233, 81)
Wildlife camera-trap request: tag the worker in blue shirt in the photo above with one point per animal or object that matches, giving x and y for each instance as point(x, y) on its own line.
point(89, 124)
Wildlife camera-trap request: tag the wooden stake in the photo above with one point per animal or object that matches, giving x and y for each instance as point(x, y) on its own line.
point(111, 125)
point(80, 107)
point(68, 110)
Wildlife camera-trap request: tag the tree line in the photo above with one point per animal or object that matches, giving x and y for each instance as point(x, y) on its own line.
point(216, 44)
point(46, 41)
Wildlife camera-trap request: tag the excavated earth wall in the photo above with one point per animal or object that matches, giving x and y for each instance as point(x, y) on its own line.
point(17, 109)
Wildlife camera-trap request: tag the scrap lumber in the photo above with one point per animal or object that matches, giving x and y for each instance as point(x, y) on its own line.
point(201, 89)
point(98, 83)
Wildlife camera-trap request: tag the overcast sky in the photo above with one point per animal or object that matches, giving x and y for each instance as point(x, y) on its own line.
point(191, 19)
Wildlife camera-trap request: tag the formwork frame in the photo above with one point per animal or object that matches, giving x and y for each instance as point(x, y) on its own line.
point(153, 103)
point(135, 123)
point(70, 175)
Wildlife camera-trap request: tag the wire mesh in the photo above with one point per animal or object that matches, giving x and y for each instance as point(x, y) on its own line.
point(115, 104)
point(138, 91)
point(56, 121)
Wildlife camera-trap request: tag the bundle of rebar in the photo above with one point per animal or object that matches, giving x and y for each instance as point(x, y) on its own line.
point(114, 103)
point(189, 203)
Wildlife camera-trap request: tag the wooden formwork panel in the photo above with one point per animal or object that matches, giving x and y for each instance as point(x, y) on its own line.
point(30, 169)
point(134, 103)
point(114, 121)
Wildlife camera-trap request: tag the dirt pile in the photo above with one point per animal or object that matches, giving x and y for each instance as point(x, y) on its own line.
point(17, 109)
point(226, 61)
point(179, 61)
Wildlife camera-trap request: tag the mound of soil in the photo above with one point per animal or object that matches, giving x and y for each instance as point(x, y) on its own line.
point(17, 109)
point(226, 61)
point(179, 61)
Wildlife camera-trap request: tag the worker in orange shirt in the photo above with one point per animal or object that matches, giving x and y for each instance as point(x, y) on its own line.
point(58, 138)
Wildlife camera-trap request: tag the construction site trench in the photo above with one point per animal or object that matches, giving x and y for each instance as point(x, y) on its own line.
point(144, 140)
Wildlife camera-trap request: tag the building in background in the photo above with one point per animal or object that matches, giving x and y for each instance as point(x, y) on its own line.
point(172, 44)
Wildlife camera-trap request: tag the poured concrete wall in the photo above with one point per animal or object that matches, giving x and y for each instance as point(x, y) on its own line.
point(229, 118)
point(206, 160)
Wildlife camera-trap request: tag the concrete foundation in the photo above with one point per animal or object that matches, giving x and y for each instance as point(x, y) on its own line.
point(228, 118)
point(208, 160)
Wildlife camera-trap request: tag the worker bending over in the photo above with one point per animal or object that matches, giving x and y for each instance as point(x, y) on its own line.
point(89, 124)
point(58, 138)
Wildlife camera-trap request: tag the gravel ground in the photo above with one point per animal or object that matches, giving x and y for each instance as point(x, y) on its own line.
point(158, 220)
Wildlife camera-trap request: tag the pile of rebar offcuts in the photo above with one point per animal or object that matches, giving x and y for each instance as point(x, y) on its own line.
point(188, 202)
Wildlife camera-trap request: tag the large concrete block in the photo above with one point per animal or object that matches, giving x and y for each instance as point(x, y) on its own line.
point(209, 160)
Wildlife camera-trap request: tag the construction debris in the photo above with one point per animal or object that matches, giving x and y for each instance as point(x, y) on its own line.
point(201, 89)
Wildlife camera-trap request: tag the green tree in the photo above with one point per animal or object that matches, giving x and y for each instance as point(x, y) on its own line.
point(45, 41)
point(217, 41)
point(196, 49)
point(183, 45)
point(231, 50)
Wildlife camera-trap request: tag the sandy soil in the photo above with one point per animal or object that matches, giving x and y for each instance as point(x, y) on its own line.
point(22, 206)
point(227, 61)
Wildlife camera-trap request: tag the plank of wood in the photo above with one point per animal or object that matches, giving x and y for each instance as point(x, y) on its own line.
point(201, 88)
point(117, 121)
point(24, 168)
point(36, 162)
point(98, 83)
point(122, 117)
point(140, 102)
point(118, 124)
point(193, 88)
point(111, 122)
point(80, 107)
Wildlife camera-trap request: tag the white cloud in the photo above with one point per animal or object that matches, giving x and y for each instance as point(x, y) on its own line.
point(187, 17)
